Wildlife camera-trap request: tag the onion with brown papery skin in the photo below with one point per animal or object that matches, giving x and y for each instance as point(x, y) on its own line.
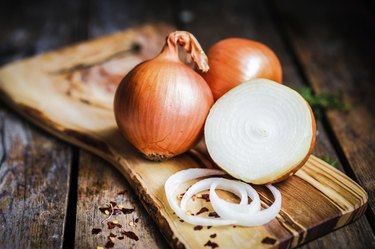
point(161, 105)
point(236, 60)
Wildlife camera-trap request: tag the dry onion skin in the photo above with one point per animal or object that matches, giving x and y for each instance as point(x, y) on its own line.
point(242, 213)
point(161, 105)
point(236, 60)
point(260, 132)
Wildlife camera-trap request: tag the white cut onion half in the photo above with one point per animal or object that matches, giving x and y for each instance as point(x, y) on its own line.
point(260, 131)
point(230, 213)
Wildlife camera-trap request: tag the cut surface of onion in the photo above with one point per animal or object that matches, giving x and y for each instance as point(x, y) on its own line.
point(230, 213)
point(260, 131)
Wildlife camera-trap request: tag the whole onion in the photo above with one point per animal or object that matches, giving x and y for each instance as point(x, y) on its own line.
point(236, 60)
point(161, 105)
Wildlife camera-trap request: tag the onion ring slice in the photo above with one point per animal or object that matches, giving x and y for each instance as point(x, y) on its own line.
point(239, 214)
point(170, 188)
point(229, 185)
point(238, 188)
point(223, 207)
point(249, 218)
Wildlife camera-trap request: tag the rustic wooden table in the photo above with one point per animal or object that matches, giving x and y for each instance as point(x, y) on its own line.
point(50, 191)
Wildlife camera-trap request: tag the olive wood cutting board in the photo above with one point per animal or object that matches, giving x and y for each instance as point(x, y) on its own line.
point(69, 93)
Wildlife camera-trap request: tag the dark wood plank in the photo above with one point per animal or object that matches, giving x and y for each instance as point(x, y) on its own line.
point(252, 19)
point(34, 168)
point(100, 183)
point(34, 183)
point(29, 28)
point(359, 229)
point(109, 16)
point(334, 42)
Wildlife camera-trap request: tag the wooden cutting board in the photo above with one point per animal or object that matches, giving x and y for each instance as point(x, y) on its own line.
point(69, 93)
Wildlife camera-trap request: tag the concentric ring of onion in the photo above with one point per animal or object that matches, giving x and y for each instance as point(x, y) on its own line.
point(231, 213)
point(260, 131)
point(182, 176)
point(250, 215)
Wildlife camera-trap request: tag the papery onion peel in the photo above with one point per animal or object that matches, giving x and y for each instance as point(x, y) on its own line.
point(161, 105)
point(236, 60)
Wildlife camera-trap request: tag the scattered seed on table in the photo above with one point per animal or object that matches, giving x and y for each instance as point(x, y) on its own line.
point(96, 230)
point(130, 235)
point(211, 244)
point(202, 210)
point(197, 228)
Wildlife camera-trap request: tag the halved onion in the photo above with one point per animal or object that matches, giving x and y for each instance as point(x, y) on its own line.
point(260, 131)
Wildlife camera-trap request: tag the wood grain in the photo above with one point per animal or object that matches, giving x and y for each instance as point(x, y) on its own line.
point(107, 17)
point(256, 20)
point(92, 127)
point(34, 183)
point(99, 183)
point(340, 38)
point(35, 168)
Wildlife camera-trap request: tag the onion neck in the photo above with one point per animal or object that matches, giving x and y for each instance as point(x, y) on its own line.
point(191, 46)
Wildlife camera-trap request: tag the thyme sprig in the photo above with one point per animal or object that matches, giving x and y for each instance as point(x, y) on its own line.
point(329, 160)
point(323, 101)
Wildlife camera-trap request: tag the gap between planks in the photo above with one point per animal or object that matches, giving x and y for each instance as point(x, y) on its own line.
point(71, 211)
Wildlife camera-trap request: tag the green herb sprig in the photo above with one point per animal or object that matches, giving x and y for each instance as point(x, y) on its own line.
point(329, 160)
point(323, 101)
